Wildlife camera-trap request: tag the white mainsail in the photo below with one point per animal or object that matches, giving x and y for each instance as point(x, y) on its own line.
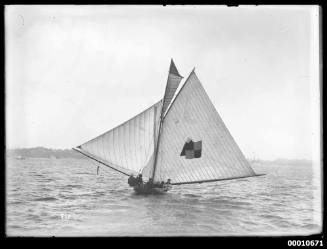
point(193, 118)
point(129, 147)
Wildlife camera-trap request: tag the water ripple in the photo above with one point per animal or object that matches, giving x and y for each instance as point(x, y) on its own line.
point(46, 199)
point(61, 197)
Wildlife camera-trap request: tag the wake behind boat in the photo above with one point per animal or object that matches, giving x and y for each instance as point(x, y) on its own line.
point(175, 141)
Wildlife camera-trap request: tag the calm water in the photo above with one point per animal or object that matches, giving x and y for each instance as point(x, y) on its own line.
point(65, 197)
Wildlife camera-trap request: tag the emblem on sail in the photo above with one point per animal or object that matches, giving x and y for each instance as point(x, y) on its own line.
point(192, 149)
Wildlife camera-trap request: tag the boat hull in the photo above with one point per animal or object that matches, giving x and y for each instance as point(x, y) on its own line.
point(146, 190)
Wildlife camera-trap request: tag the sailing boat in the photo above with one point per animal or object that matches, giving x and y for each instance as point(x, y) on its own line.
point(180, 140)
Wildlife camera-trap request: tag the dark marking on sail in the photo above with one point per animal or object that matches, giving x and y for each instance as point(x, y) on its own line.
point(192, 149)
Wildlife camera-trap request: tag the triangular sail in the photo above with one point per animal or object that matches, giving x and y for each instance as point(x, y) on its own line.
point(174, 78)
point(129, 147)
point(195, 145)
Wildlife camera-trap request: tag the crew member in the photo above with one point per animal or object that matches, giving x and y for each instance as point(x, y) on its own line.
point(150, 182)
point(139, 179)
point(132, 181)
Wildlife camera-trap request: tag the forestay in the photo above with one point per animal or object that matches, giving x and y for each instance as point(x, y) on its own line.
point(129, 147)
point(195, 145)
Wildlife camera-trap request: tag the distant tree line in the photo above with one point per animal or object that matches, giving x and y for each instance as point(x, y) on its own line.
point(41, 152)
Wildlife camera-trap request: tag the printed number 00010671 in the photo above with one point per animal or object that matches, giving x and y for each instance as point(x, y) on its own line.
point(304, 243)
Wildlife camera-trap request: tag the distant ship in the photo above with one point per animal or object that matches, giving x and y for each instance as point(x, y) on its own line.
point(181, 139)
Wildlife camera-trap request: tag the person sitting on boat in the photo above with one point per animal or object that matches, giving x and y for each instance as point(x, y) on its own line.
point(168, 181)
point(158, 184)
point(132, 181)
point(139, 179)
point(150, 183)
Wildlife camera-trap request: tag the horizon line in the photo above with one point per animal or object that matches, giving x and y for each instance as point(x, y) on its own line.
point(249, 159)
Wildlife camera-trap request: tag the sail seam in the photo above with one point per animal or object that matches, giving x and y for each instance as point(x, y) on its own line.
point(185, 82)
point(221, 171)
point(224, 159)
point(205, 171)
point(122, 123)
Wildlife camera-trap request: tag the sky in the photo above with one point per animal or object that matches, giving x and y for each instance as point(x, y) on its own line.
point(74, 72)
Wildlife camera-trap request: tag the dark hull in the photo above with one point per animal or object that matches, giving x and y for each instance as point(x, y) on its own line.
point(143, 189)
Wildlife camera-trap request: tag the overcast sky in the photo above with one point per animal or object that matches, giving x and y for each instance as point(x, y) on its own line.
point(73, 72)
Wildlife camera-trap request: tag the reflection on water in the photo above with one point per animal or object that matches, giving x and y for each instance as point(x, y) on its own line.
point(65, 197)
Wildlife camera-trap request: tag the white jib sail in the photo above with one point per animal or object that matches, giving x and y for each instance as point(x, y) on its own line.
point(129, 147)
point(195, 145)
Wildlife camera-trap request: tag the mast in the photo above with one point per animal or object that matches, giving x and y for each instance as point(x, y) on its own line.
point(174, 78)
point(158, 140)
point(157, 146)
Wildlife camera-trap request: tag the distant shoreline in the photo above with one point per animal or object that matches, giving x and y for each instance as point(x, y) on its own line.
point(42, 152)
